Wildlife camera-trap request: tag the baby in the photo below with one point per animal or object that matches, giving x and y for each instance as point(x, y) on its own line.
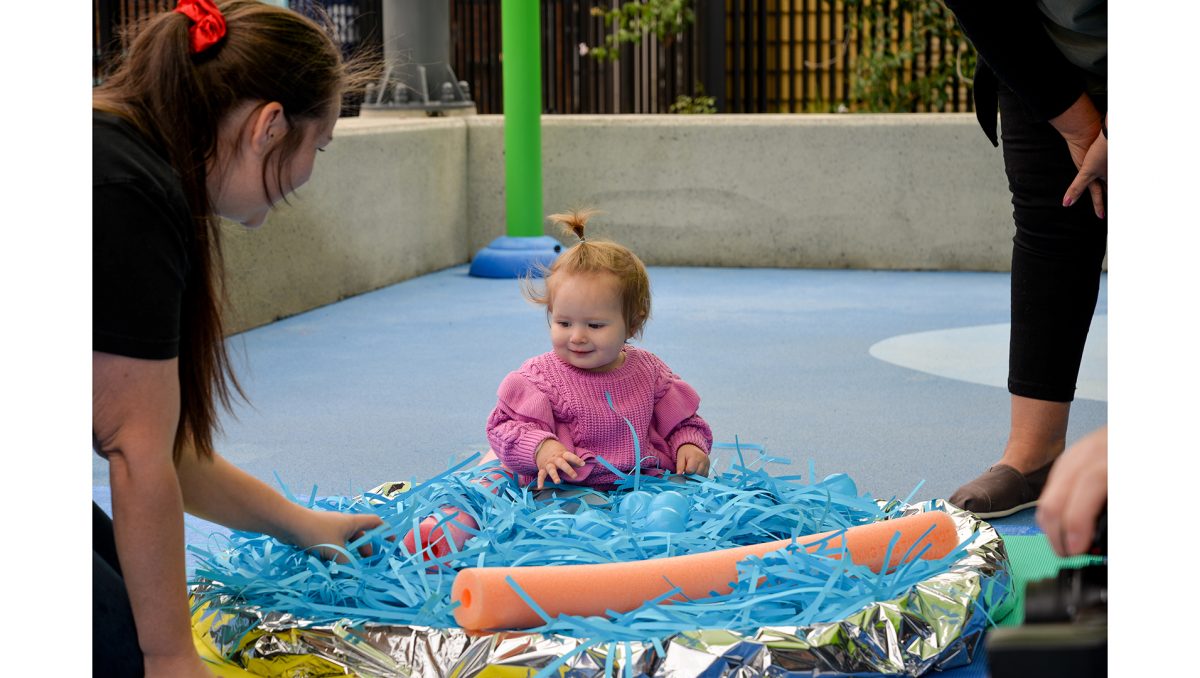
point(594, 393)
point(594, 396)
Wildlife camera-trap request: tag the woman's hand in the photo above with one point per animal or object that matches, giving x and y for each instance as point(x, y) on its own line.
point(330, 527)
point(553, 457)
point(691, 459)
point(1080, 127)
point(1075, 493)
point(1092, 170)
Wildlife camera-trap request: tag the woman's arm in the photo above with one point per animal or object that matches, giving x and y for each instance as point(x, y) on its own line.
point(135, 410)
point(216, 490)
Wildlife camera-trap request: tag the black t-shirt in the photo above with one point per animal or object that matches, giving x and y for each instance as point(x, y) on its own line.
point(141, 237)
point(1015, 49)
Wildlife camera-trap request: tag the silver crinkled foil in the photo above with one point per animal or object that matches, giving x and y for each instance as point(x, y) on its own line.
point(938, 624)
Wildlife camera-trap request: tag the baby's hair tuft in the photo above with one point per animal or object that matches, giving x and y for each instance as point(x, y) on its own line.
point(574, 221)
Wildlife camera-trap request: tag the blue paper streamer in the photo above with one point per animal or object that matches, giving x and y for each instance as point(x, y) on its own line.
point(743, 505)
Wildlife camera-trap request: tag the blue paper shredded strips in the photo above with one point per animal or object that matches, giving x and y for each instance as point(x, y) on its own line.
point(520, 527)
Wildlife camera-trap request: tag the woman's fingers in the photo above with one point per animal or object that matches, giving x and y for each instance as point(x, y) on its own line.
point(1085, 181)
point(1079, 519)
point(1074, 494)
point(1097, 198)
point(1093, 171)
point(1076, 189)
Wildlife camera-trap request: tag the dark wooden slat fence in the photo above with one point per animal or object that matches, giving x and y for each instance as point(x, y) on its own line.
point(752, 56)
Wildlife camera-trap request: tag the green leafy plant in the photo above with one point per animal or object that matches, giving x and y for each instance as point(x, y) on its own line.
point(633, 20)
point(695, 104)
point(890, 45)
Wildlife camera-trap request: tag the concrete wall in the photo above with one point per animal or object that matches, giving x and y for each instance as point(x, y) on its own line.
point(814, 191)
point(387, 201)
point(394, 198)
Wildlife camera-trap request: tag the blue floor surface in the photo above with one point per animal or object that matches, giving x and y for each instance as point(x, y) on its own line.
point(394, 384)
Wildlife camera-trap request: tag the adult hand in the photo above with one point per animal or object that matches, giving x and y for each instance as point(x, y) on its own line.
point(1079, 126)
point(553, 457)
point(1075, 492)
point(1092, 171)
point(331, 527)
point(691, 459)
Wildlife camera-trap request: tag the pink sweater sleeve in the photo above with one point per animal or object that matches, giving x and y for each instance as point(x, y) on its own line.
point(520, 422)
point(676, 418)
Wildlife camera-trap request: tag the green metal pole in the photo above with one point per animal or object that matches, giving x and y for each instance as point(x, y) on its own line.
point(524, 250)
point(522, 70)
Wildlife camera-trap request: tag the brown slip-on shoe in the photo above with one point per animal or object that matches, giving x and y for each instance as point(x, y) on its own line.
point(1001, 491)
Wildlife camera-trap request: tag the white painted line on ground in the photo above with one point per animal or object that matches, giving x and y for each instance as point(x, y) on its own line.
point(979, 355)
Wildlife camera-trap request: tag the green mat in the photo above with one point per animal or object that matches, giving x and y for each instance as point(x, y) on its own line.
point(1032, 558)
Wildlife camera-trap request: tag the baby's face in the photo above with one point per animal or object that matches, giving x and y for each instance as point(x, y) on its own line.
point(587, 327)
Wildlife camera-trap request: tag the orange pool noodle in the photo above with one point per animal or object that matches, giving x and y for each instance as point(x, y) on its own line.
point(488, 602)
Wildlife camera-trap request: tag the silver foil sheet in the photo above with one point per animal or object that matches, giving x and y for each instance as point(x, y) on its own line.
point(938, 624)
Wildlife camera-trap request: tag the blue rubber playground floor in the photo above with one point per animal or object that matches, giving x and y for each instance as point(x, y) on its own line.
point(896, 378)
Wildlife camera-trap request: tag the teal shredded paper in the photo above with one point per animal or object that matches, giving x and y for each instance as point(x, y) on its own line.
point(517, 526)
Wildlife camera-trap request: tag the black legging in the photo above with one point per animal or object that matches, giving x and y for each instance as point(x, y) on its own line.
point(1057, 257)
point(115, 650)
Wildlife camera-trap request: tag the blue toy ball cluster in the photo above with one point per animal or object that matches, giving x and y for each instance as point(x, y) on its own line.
point(664, 512)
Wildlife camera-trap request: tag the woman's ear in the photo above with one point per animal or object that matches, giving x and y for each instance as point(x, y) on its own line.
point(267, 127)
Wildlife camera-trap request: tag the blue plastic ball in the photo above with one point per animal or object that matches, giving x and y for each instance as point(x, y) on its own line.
point(665, 519)
point(635, 505)
point(592, 523)
point(840, 483)
point(673, 500)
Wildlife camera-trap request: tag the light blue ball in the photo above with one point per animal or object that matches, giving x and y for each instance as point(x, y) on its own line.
point(592, 523)
point(635, 505)
point(840, 483)
point(673, 500)
point(668, 512)
point(665, 519)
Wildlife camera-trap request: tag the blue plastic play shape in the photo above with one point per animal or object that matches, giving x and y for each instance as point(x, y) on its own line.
point(841, 483)
point(664, 512)
point(670, 500)
point(515, 256)
point(635, 504)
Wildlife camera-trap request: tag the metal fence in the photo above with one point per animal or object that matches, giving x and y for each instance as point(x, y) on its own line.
point(353, 23)
point(112, 23)
point(789, 56)
point(751, 56)
point(645, 79)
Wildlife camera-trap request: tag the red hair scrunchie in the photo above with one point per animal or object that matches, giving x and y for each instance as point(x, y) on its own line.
point(207, 27)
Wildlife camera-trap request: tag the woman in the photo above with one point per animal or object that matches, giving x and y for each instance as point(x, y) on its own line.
point(1044, 64)
point(217, 110)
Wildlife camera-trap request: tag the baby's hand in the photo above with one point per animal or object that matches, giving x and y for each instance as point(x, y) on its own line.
point(691, 459)
point(552, 457)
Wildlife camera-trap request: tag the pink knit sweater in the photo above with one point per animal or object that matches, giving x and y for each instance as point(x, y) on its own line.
point(548, 398)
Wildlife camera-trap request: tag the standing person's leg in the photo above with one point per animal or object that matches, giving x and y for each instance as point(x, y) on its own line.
point(1057, 258)
point(115, 650)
